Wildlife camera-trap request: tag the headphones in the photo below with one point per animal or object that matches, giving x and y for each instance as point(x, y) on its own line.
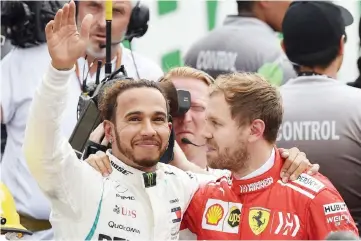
point(138, 23)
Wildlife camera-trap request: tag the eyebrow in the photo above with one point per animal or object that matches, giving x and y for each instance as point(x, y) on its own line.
point(99, 3)
point(141, 113)
point(213, 118)
point(118, 4)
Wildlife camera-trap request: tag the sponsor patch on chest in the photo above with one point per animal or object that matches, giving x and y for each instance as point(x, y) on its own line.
point(222, 216)
point(251, 187)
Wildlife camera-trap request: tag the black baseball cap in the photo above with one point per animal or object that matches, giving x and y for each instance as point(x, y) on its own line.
point(311, 29)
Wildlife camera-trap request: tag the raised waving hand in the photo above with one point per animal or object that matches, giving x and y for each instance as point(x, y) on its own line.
point(65, 43)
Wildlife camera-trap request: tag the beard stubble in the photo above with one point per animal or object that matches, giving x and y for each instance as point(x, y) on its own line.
point(128, 153)
point(230, 160)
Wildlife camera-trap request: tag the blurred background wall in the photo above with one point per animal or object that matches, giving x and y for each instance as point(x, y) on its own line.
point(175, 25)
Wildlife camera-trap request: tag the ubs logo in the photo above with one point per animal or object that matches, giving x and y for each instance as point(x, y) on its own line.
point(124, 211)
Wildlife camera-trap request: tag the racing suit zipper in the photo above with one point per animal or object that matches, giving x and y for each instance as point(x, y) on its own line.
point(241, 223)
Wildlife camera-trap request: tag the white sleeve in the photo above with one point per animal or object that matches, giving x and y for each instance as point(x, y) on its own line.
point(7, 89)
point(219, 172)
point(66, 181)
point(192, 182)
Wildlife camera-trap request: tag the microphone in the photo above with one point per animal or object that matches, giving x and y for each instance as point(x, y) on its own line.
point(102, 46)
point(108, 36)
point(186, 141)
point(342, 235)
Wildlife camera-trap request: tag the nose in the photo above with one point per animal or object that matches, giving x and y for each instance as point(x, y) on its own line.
point(100, 18)
point(206, 133)
point(187, 117)
point(147, 129)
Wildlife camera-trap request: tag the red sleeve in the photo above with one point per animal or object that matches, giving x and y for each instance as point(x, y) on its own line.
point(328, 213)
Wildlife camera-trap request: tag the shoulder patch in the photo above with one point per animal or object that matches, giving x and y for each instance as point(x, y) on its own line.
point(310, 183)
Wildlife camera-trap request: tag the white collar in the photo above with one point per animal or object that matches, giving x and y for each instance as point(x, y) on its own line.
point(264, 168)
point(133, 176)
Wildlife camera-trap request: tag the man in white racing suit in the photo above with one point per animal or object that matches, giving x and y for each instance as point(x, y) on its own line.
point(141, 199)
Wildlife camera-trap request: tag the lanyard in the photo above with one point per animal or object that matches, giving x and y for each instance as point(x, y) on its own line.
point(77, 70)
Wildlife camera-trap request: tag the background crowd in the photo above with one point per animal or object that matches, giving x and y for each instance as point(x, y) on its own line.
point(322, 114)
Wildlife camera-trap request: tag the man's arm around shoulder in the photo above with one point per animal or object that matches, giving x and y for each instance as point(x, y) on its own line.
point(192, 219)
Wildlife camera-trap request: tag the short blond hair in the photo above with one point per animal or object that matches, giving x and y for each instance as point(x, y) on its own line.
point(252, 97)
point(187, 72)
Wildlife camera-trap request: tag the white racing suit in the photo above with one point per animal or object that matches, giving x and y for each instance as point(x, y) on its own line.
point(127, 205)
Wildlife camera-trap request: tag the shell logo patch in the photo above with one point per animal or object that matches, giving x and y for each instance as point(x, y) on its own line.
point(214, 214)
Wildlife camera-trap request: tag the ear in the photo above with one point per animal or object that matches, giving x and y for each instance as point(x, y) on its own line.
point(263, 4)
point(109, 130)
point(283, 46)
point(257, 128)
point(170, 125)
point(342, 45)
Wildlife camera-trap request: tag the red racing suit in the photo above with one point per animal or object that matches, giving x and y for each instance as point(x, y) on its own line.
point(266, 208)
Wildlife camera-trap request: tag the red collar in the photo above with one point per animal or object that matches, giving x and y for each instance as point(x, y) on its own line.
point(261, 182)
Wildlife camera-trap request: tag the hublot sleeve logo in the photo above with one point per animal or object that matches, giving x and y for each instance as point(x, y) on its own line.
point(120, 169)
point(333, 208)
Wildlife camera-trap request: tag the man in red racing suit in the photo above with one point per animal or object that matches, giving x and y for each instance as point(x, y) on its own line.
point(265, 208)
